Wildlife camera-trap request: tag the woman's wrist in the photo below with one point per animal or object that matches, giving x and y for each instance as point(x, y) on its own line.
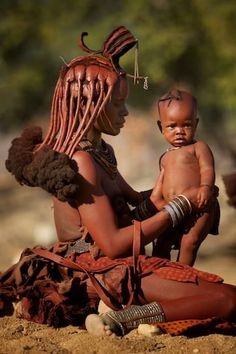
point(178, 208)
point(159, 203)
point(145, 209)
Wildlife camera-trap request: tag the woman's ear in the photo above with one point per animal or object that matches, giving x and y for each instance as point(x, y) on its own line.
point(159, 125)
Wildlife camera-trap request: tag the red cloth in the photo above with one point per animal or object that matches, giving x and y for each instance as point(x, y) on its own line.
point(198, 327)
point(58, 295)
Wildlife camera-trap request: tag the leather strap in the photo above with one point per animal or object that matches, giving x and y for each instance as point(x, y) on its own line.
point(102, 293)
point(133, 283)
point(136, 244)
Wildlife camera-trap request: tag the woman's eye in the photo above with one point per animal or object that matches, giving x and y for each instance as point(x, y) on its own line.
point(117, 103)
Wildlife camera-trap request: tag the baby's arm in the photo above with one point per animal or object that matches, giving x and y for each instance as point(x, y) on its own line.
point(207, 172)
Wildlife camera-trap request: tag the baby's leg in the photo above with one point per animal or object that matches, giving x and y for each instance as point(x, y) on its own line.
point(192, 240)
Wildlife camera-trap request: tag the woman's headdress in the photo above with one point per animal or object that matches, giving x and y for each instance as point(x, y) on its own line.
point(82, 91)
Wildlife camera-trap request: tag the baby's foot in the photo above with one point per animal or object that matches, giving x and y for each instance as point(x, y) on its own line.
point(97, 326)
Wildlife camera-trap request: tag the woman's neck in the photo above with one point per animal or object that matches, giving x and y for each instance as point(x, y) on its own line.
point(95, 137)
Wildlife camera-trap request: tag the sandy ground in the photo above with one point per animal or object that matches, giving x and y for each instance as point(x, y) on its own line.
point(26, 219)
point(21, 337)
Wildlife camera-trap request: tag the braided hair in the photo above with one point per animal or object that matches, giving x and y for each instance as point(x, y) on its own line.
point(83, 89)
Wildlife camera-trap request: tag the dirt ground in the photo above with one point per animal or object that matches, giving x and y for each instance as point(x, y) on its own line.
point(21, 337)
point(26, 219)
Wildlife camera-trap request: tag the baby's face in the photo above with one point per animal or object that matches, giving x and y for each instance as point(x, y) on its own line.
point(178, 122)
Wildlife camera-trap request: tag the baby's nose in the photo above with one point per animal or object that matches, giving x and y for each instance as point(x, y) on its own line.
point(179, 130)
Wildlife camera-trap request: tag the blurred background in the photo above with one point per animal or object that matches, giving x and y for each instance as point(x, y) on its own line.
point(183, 44)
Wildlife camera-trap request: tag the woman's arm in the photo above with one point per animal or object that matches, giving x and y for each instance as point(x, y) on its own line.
point(132, 197)
point(97, 214)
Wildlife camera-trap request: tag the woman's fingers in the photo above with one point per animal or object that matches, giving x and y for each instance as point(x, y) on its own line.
point(158, 186)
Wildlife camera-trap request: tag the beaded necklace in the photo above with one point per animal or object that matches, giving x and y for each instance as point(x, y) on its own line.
point(103, 155)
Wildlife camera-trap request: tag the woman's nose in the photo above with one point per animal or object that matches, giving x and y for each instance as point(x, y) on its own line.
point(125, 112)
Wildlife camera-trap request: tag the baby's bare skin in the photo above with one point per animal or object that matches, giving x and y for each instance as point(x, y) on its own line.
point(187, 163)
point(181, 168)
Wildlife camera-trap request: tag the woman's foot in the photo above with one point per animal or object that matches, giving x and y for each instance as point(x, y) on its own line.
point(122, 321)
point(149, 330)
point(96, 325)
point(103, 308)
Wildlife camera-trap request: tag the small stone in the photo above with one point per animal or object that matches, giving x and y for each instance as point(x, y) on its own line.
point(195, 350)
point(20, 328)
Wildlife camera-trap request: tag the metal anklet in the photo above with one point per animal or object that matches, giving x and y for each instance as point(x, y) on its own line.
point(130, 318)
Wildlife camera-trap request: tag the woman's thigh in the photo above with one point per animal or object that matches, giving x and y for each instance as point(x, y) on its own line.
point(155, 288)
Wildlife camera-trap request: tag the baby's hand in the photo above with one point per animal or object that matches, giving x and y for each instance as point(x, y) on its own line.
point(204, 195)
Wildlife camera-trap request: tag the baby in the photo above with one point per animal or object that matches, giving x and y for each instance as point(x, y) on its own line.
point(187, 163)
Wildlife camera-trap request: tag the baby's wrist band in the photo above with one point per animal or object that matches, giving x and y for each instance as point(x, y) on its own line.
point(178, 208)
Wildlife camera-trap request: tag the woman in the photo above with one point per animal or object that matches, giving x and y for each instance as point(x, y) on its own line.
point(100, 250)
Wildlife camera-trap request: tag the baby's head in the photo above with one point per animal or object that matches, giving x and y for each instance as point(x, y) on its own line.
point(178, 117)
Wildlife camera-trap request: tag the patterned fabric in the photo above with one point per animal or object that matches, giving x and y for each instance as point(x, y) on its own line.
point(197, 327)
point(56, 295)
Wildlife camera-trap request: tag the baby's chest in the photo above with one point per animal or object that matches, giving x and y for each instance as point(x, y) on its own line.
point(180, 157)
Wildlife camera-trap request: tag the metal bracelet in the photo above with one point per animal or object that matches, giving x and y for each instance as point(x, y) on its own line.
point(145, 210)
point(171, 214)
point(177, 209)
point(187, 201)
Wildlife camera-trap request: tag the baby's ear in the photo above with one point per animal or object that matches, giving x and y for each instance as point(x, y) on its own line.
point(159, 125)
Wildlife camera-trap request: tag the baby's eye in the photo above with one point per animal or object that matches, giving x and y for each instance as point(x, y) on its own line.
point(170, 127)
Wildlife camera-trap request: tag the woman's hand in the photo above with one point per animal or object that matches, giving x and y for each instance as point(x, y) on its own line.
point(156, 195)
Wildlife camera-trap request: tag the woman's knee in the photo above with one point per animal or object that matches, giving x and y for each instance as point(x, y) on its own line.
point(227, 302)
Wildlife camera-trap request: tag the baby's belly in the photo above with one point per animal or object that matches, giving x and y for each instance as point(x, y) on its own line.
point(177, 184)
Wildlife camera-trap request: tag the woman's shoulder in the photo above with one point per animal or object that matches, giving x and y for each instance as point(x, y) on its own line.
point(82, 157)
point(85, 163)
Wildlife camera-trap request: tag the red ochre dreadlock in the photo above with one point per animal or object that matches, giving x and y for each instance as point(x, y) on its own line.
point(83, 89)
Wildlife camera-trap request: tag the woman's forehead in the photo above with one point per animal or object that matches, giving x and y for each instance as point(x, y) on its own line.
point(121, 89)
